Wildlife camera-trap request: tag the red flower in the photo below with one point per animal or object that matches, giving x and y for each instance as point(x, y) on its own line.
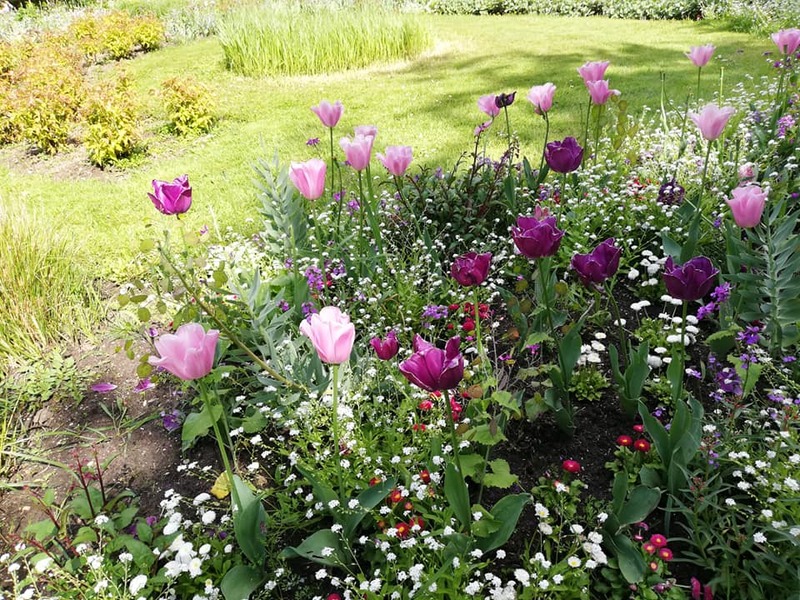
point(425, 476)
point(658, 540)
point(649, 547)
point(665, 554)
point(418, 427)
point(419, 521)
point(456, 409)
point(469, 325)
point(374, 481)
point(403, 529)
point(641, 445)
point(395, 495)
point(425, 405)
point(333, 596)
point(625, 440)
point(638, 428)
point(571, 466)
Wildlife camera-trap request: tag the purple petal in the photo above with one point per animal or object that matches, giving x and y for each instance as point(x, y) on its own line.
point(103, 387)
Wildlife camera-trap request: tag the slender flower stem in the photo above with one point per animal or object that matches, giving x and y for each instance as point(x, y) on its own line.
point(567, 405)
point(597, 133)
point(335, 427)
point(361, 214)
point(228, 332)
point(546, 136)
point(682, 354)
point(697, 93)
point(623, 352)
point(481, 354)
point(204, 394)
point(699, 204)
point(508, 126)
point(586, 127)
point(452, 424)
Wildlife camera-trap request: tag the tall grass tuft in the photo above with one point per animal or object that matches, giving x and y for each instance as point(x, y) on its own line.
point(282, 39)
point(45, 296)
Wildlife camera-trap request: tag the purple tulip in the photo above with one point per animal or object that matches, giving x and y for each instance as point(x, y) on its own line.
point(599, 264)
point(504, 100)
point(471, 268)
point(387, 348)
point(173, 198)
point(535, 238)
point(565, 156)
point(433, 369)
point(690, 281)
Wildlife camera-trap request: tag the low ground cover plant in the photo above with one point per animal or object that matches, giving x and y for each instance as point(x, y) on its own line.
point(379, 364)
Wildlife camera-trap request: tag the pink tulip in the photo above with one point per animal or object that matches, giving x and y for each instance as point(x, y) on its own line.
point(541, 96)
point(309, 177)
point(329, 113)
point(593, 71)
point(787, 40)
point(358, 151)
point(367, 130)
point(488, 105)
point(700, 55)
point(747, 205)
point(188, 353)
point(600, 92)
point(712, 120)
point(396, 159)
point(331, 333)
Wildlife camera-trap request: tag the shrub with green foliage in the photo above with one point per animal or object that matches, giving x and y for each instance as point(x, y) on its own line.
point(620, 9)
point(190, 109)
point(280, 39)
point(111, 116)
point(116, 35)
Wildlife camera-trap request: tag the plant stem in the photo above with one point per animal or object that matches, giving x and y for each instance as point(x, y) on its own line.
point(481, 354)
point(697, 93)
point(621, 330)
point(335, 427)
point(597, 133)
point(682, 354)
point(586, 128)
point(546, 136)
point(703, 179)
point(204, 394)
point(453, 439)
point(508, 126)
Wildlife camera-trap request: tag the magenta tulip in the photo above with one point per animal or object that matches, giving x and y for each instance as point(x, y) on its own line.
point(396, 159)
point(358, 151)
point(541, 96)
point(690, 281)
point(433, 369)
point(599, 264)
point(712, 120)
point(563, 156)
point(471, 268)
point(188, 353)
point(309, 177)
point(599, 91)
point(787, 40)
point(172, 198)
point(593, 71)
point(331, 333)
point(747, 205)
point(387, 348)
point(488, 104)
point(329, 113)
point(536, 238)
point(700, 55)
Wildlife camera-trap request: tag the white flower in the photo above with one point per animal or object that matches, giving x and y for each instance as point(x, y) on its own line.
point(759, 538)
point(200, 498)
point(94, 561)
point(125, 558)
point(137, 584)
point(574, 562)
point(101, 520)
point(541, 511)
point(477, 515)
point(208, 517)
point(544, 584)
point(43, 565)
point(545, 529)
point(523, 577)
point(576, 529)
point(730, 501)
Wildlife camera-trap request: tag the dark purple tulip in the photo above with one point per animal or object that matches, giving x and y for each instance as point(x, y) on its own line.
point(690, 281)
point(535, 238)
point(471, 268)
point(172, 198)
point(564, 156)
point(671, 193)
point(599, 265)
point(433, 369)
point(386, 349)
point(503, 100)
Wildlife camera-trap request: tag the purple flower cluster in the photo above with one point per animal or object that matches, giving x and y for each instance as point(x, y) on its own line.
point(719, 296)
point(434, 312)
point(315, 278)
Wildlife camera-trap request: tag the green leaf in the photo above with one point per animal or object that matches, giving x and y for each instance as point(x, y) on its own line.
point(570, 348)
point(619, 491)
point(240, 582)
point(670, 246)
point(501, 476)
point(42, 530)
point(629, 558)
point(485, 435)
point(657, 433)
point(313, 546)
point(457, 494)
point(641, 502)
point(473, 465)
point(507, 511)
point(197, 425)
point(249, 523)
point(367, 500)
point(322, 492)
point(254, 422)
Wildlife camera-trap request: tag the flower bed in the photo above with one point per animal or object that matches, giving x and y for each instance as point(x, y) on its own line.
point(570, 375)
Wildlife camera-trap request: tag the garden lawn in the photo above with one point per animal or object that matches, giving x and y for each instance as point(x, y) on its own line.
point(429, 104)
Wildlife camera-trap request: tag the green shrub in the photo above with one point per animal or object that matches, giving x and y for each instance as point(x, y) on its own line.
point(44, 294)
point(49, 87)
point(190, 109)
point(115, 35)
point(111, 117)
point(280, 39)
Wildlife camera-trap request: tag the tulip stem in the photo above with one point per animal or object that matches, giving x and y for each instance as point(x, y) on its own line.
point(451, 423)
point(228, 332)
point(703, 179)
point(622, 339)
point(597, 133)
point(508, 126)
point(335, 427)
point(204, 394)
point(546, 136)
point(586, 128)
point(697, 93)
point(682, 353)
point(333, 186)
point(481, 354)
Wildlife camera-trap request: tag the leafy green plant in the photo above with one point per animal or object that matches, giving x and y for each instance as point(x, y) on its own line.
point(111, 116)
point(190, 109)
point(588, 384)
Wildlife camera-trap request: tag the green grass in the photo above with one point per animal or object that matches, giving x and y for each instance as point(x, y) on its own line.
point(45, 294)
point(280, 39)
point(429, 103)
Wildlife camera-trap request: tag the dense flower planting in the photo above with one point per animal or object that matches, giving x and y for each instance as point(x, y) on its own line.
point(379, 364)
